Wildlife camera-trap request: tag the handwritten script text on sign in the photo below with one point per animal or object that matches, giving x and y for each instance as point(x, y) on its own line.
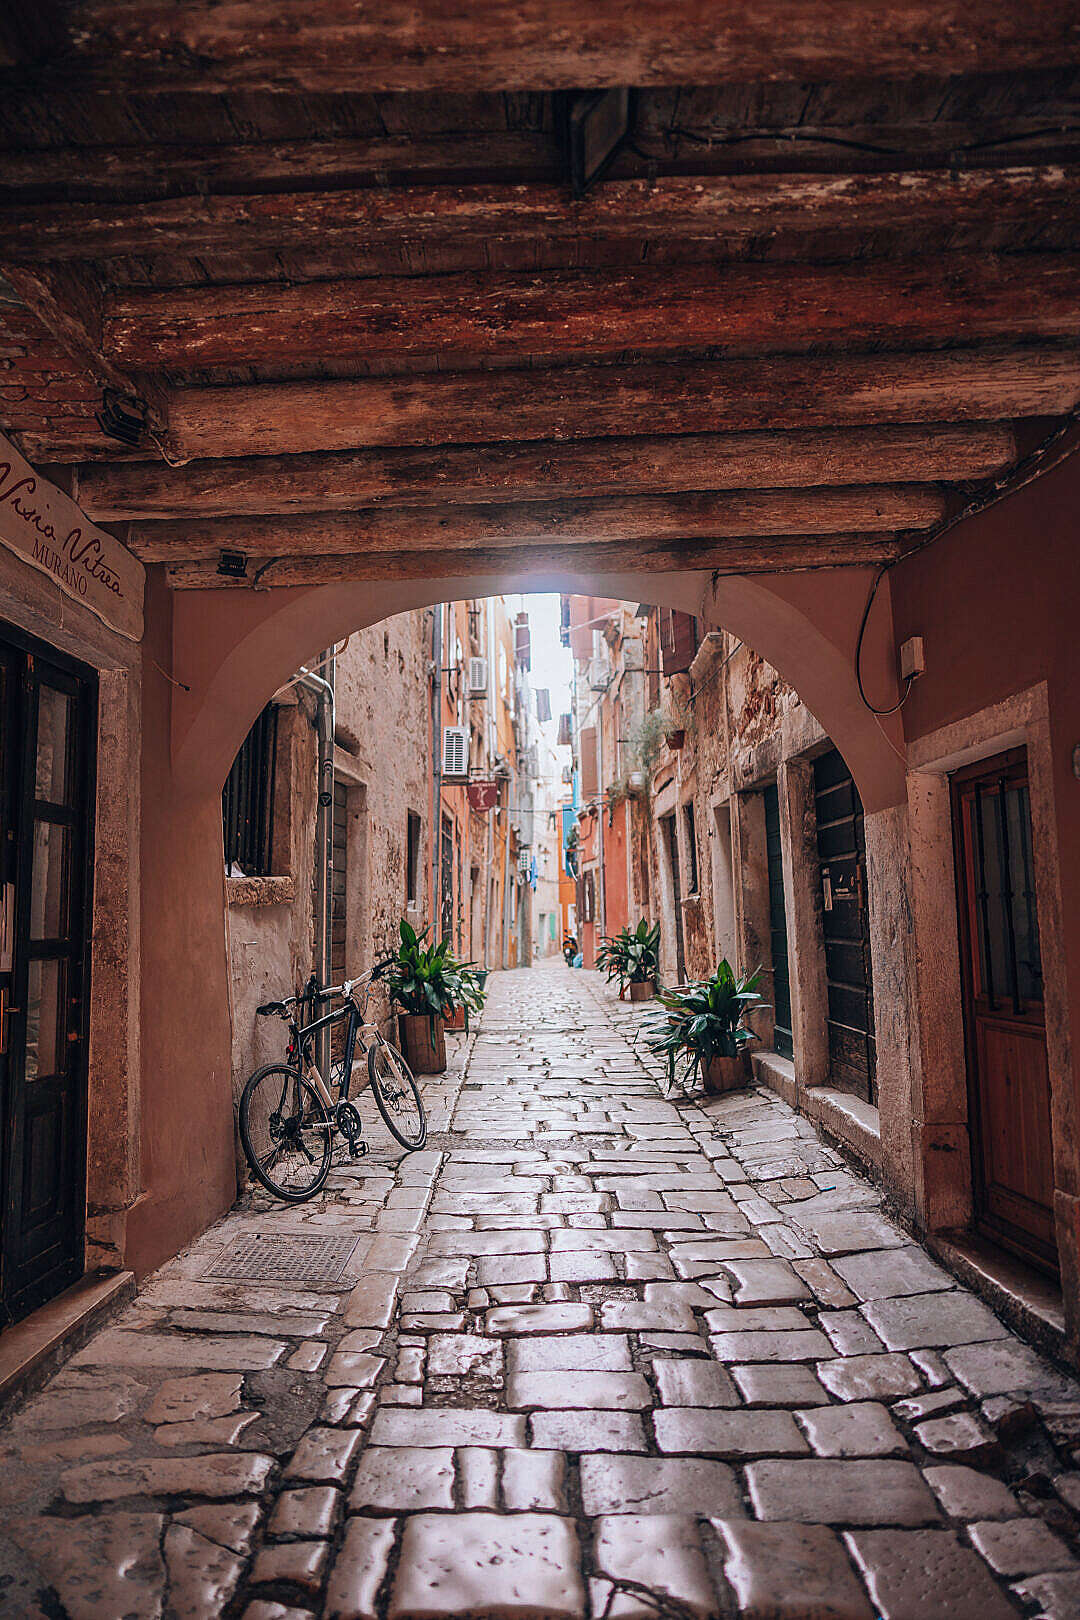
point(45, 527)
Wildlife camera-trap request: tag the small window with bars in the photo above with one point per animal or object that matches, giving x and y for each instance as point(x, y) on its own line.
point(247, 801)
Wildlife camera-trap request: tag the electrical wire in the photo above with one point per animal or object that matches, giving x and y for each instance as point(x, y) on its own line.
point(896, 707)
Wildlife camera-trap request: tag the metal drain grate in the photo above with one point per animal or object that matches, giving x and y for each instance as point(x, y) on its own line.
point(277, 1258)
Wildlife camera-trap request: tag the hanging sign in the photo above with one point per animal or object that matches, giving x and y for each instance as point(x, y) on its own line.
point(45, 528)
point(482, 795)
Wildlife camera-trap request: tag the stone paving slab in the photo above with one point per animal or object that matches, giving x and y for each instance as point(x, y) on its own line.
point(593, 1349)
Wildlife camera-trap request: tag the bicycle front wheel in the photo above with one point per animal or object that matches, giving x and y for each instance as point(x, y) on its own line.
point(286, 1133)
point(397, 1095)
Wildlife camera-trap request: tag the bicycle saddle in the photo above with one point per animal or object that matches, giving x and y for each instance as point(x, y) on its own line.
point(271, 1009)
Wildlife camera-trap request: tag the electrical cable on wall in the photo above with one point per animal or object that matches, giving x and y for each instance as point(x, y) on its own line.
point(878, 577)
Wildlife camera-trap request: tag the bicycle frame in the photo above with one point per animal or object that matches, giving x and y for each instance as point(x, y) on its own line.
point(303, 1035)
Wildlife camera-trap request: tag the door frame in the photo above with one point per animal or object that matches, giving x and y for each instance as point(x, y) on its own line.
point(1027, 1248)
point(87, 676)
point(940, 1126)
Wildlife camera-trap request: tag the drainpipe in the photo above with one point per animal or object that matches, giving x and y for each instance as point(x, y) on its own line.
point(601, 908)
point(436, 764)
point(507, 908)
point(323, 691)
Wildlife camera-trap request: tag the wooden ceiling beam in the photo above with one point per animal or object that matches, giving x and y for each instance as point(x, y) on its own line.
point(724, 209)
point(67, 300)
point(744, 308)
point(742, 513)
point(136, 174)
point(546, 471)
point(765, 555)
point(494, 45)
point(582, 402)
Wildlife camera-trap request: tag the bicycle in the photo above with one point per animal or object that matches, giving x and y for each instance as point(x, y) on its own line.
point(288, 1115)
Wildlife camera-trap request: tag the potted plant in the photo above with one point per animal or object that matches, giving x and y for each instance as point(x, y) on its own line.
point(611, 956)
point(643, 960)
point(632, 958)
point(703, 1023)
point(471, 994)
point(423, 982)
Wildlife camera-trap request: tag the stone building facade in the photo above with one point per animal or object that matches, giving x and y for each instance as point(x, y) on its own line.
point(397, 686)
point(718, 805)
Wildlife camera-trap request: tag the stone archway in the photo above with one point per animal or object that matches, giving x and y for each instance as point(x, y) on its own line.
point(233, 649)
point(227, 651)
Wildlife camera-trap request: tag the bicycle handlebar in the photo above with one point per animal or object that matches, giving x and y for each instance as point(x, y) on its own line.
point(280, 1009)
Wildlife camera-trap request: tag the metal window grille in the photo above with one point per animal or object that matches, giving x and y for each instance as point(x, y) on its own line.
point(247, 801)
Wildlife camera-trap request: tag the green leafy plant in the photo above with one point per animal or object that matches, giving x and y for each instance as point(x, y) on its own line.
point(632, 958)
point(428, 980)
point(704, 1020)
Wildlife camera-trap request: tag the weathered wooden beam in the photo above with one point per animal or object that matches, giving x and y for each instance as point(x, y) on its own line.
point(871, 508)
point(582, 402)
point(67, 301)
point(778, 554)
point(744, 308)
point(548, 470)
point(146, 171)
point(138, 173)
point(496, 45)
point(724, 209)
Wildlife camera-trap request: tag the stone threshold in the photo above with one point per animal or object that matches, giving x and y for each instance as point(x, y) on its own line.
point(853, 1124)
point(1026, 1301)
point(34, 1348)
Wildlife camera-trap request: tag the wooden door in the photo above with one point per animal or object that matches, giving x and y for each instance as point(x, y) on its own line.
point(47, 713)
point(846, 928)
point(1004, 1017)
point(783, 1039)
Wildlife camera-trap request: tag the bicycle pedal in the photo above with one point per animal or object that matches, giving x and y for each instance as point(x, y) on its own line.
point(357, 1149)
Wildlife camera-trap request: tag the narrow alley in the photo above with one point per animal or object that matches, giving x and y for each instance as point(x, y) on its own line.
point(595, 1352)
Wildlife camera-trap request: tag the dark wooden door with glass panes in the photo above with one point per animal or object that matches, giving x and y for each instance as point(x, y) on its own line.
point(846, 928)
point(783, 1042)
point(47, 715)
point(1004, 1016)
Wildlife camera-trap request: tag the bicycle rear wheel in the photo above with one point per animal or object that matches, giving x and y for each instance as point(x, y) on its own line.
point(397, 1095)
point(286, 1133)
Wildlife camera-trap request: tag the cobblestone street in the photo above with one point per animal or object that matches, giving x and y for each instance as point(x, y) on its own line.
point(593, 1353)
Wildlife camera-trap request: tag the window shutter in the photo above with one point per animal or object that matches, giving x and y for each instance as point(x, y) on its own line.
point(478, 678)
point(522, 641)
point(590, 785)
point(678, 641)
point(455, 760)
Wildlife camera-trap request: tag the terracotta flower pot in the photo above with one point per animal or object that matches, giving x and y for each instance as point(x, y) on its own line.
point(642, 989)
point(675, 739)
point(423, 1042)
point(726, 1073)
point(456, 1019)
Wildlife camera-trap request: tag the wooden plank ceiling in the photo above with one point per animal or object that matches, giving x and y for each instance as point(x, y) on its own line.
point(826, 295)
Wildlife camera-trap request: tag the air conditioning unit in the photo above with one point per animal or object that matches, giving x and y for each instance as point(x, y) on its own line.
point(455, 753)
point(478, 677)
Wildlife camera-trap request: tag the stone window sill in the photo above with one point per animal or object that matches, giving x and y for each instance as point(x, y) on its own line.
point(259, 891)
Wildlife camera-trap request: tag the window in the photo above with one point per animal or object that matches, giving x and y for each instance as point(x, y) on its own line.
point(412, 859)
point(247, 801)
point(691, 847)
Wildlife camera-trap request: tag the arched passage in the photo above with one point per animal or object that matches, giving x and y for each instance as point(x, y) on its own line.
point(227, 651)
